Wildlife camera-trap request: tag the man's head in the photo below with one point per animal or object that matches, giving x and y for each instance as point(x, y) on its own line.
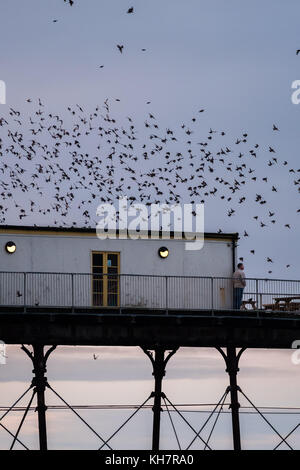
point(240, 266)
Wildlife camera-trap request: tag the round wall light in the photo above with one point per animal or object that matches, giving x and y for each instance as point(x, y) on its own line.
point(163, 252)
point(10, 247)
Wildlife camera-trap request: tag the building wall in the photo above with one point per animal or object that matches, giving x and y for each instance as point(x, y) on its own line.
point(70, 253)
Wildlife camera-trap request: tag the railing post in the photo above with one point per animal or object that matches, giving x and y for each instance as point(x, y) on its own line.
point(256, 288)
point(167, 303)
point(72, 289)
point(24, 289)
point(119, 292)
point(260, 297)
point(212, 295)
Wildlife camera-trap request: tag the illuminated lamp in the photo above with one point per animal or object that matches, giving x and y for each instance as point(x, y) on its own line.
point(10, 247)
point(163, 252)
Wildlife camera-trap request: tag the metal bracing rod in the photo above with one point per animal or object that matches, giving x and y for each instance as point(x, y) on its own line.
point(186, 421)
point(7, 411)
point(288, 435)
point(172, 424)
point(216, 420)
point(232, 361)
point(222, 400)
point(77, 414)
point(39, 382)
point(283, 439)
point(126, 421)
point(14, 404)
point(22, 420)
point(12, 435)
point(159, 362)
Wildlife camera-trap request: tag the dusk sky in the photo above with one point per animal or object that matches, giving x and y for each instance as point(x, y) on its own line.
point(235, 59)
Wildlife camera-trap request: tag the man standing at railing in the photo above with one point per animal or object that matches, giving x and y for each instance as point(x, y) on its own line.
point(239, 284)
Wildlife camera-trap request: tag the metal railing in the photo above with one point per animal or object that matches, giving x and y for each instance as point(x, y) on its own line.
point(86, 290)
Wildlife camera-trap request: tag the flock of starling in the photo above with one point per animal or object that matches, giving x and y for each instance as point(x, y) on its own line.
point(67, 166)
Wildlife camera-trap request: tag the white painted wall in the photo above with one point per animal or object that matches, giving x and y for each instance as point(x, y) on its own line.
point(69, 253)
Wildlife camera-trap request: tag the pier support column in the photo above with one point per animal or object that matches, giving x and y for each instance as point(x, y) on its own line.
point(232, 360)
point(39, 381)
point(159, 362)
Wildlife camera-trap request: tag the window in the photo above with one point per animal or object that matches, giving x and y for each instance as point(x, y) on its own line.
point(105, 288)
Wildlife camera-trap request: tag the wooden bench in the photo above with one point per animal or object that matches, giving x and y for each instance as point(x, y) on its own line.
point(248, 302)
point(284, 304)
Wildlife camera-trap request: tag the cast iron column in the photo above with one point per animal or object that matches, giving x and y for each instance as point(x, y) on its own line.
point(159, 363)
point(39, 381)
point(232, 369)
point(158, 372)
point(232, 361)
